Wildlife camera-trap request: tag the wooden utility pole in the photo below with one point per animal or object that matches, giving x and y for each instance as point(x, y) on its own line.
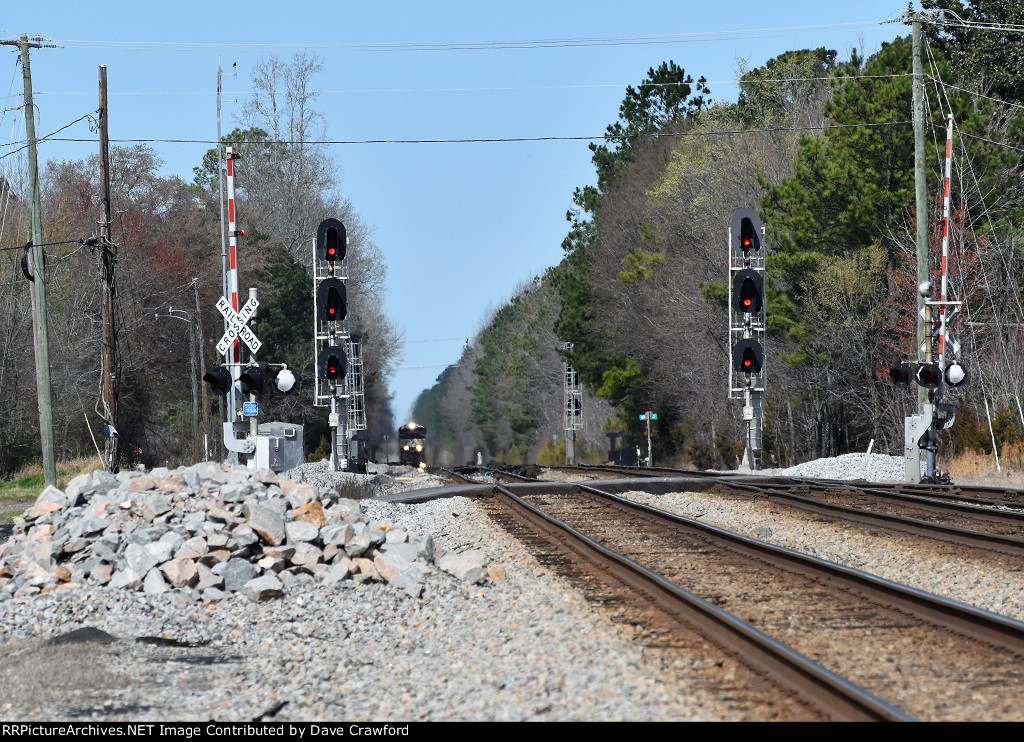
point(920, 430)
point(202, 372)
point(107, 258)
point(39, 321)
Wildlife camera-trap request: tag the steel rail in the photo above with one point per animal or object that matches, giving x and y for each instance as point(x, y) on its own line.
point(830, 693)
point(979, 624)
point(773, 488)
point(1001, 543)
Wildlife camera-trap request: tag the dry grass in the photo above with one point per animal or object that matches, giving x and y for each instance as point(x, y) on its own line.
point(977, 468)
point(356, 489)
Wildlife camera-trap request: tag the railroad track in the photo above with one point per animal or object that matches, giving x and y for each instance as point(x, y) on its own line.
point(956, 517)
point(1006, 497)
point(926, 656)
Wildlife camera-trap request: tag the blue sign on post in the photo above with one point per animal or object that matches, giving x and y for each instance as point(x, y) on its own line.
point(250, 409)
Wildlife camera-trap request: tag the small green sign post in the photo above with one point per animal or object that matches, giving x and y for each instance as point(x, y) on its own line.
point(648, 416)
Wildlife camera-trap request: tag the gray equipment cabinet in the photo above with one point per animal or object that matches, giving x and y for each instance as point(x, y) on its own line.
point(278, 447)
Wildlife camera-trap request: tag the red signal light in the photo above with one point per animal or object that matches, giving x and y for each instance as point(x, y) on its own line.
point(331, 239)
point(748, 291)
point(331, 363)
point(748, 356)
point(330, 300)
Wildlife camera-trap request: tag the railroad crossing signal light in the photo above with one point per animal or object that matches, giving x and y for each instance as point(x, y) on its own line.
point(331, 300)
point(928, 375)
point(331, 240)
point(748, 291)
point(901, 374)
point(219, 379)
point(252, 380)
point(746, 230)
point(955, 374)
point(332, 363)
point(748, 357)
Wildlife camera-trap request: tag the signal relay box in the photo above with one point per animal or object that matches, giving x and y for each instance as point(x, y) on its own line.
point(278, 447)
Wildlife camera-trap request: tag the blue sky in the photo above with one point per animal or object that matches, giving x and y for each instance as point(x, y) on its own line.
point(460, 224)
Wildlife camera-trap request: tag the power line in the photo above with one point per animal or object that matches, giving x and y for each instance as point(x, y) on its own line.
point(514, 88)
point(939, 18)
point(491, 140)
point(437, 340)
point(989, 141)
point(46, 244)
point(475, 45)
point(976, 94)
point(427, 368)
point(50, 137)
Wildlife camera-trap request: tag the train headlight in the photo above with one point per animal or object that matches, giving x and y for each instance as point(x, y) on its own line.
point(405, 447)
point(419, 447)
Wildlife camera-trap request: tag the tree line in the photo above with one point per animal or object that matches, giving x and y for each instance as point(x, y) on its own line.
point(823, 148)
point(168, 236)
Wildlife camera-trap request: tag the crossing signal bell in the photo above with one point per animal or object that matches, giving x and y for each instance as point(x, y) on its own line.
point(285, 381)
point(746, 230)
point(331, 240)
point(331, 304)
point(748, 357)
point(748, 291)
point(955, 374)
point(219, 379)
point(332, 363)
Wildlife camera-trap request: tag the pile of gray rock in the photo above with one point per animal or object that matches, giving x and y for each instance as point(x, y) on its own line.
point(209, 530)
point(870, 467)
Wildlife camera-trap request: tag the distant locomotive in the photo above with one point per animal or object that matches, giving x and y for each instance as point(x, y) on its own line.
point(412, 445)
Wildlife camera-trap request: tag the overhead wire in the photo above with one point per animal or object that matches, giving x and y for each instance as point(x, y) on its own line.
point(514, 88)
point(50, 136)
point(495, 140)
point(447, 46)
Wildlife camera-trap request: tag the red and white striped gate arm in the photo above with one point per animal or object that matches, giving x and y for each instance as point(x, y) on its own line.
point(945, 243)
point(233, 355)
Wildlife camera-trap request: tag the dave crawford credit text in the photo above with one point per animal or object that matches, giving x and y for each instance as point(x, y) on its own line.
point(273, 729)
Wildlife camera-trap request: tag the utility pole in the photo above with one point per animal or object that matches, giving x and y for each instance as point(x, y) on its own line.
point(39, 322)
point(202, 372)
point(229, 401)
point(920, 428)
point(108, 258)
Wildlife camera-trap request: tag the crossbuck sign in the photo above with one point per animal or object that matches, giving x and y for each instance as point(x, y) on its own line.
point(238, 326)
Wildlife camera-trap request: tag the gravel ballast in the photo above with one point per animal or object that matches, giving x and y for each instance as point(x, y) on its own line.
point(517, 644)
point(502, 638)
